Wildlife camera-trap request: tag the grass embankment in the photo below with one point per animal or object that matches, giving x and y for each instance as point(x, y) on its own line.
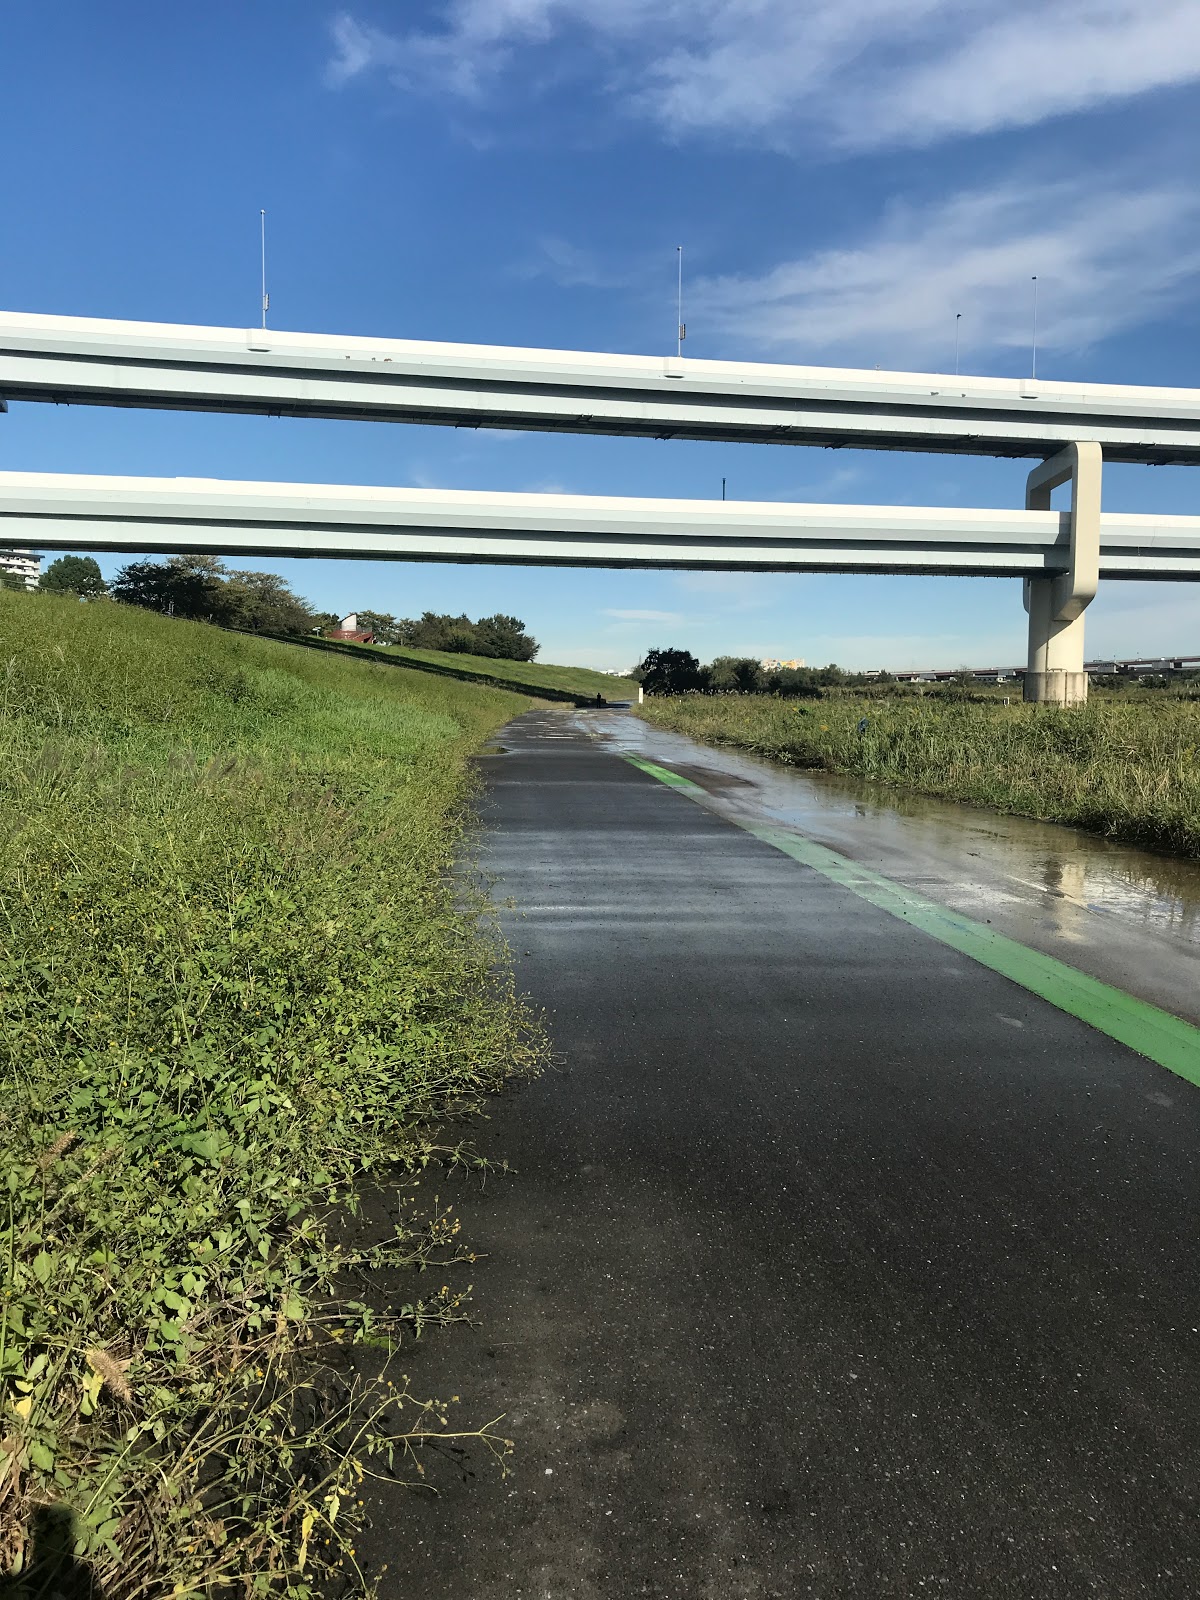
point(1127, 769)
point(236, 975)
point(536, 677)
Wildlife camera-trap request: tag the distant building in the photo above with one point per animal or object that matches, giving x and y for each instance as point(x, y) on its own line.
point(791, 666)
point(349, 629)
point(24, 564)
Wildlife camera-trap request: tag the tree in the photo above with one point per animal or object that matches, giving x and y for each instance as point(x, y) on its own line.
point(504, 637)
point(184, 586)
point(199, 587)
point(830, 676)
point(461, 640)
point(498, 636)
point(264, 603)
point(74, 575)
point(670, 672)
point(385, 628)
point(433, 631)
point(737, 674)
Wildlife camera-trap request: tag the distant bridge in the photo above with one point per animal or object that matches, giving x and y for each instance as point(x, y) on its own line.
point(1133, 668)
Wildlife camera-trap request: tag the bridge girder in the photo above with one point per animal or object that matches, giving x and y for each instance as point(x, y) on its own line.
point(65, 511)
point(94, 361)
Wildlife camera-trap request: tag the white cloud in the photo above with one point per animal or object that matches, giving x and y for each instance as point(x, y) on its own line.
point(355, 49)
point(863, 72)
point(1105, 260)
point(643, 616)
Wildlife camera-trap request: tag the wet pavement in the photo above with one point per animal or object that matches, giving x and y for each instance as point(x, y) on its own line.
point(834, 1264)
point(1128, 916)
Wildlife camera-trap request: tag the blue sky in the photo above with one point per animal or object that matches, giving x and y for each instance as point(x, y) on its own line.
point(845, 177)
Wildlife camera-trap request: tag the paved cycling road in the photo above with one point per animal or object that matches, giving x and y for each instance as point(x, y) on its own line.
point(835, 1263)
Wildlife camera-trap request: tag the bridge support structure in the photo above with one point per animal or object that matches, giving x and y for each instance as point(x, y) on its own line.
point(1054, 674)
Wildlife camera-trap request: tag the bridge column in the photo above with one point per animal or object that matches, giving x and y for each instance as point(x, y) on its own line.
point(1054, 674)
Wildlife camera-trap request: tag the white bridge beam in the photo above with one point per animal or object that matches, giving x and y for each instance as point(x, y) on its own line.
point(89, 361)
point(170, 515)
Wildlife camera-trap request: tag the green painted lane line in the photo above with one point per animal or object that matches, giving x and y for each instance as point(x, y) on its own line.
point(665, 775)
point(1155, 1034)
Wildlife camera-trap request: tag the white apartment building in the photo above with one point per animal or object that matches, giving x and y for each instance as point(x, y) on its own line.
point(22, 564)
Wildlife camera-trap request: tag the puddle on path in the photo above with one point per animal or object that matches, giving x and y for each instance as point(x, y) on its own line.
point(1128, 915)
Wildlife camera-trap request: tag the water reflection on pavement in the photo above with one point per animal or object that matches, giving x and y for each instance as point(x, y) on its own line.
point(1128, 916)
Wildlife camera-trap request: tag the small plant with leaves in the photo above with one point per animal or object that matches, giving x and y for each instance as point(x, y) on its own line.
point(238, 979)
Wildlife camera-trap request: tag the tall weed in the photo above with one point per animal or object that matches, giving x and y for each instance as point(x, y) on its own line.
point(1125, 768)
point(236, 976)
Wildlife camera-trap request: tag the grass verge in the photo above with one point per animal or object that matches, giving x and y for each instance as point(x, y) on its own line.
point(1129, 770)
point(522, 677)
point(236, 975)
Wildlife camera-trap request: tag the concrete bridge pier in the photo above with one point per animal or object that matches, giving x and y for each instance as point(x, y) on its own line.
point(1054, 674)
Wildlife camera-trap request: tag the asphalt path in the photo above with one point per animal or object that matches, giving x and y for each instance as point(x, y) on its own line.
point(833, 1263)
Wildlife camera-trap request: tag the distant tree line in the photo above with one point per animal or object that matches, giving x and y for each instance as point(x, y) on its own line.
point(200, 588)
point(501, 637)
point(679, 672)
point(204, 589)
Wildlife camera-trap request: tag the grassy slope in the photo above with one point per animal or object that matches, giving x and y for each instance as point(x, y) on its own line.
point(1129, 769)
point(234, 976)
point(533, 675)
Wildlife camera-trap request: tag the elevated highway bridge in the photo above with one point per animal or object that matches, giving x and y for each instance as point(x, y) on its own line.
point(68, 511)
point(1072, 428)
point(93, 361)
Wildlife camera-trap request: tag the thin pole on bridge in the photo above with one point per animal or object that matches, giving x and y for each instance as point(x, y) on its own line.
point(680, 327)
point(262, 222)
point(957, 329)
point(1034, 372)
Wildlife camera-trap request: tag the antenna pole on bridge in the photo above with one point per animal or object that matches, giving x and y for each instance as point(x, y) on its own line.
point(262, 222)
point(1034, 372)
point(680, 325)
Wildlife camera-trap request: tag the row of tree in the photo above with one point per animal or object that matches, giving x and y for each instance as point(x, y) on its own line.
point(500, 636)
point(679, 672)
point(203, 589)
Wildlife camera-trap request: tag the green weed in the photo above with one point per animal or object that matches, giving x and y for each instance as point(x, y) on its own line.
point(1128, 769)
point(238, 974)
